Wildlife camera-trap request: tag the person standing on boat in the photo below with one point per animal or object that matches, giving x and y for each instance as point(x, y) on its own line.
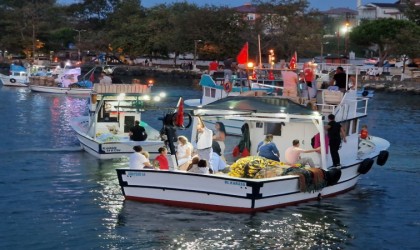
point(217, 162)
point(336, 133)
point(204, 142)
point(290, 83)
point(292, 155)
point(220, 136)
point(137, 159)
point(339, 78)
point(268, 149)
point(213, 67)
point(137, 133)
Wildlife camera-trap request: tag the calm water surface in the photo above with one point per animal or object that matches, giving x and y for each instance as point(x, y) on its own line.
point(54, 196)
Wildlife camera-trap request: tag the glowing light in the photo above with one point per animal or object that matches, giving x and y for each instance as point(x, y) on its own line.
point(146, 98)
point(156, 98)
point(162, 94)
point(250, 65)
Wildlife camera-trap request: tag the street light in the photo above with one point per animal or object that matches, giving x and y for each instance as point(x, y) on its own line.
point(78, 45)
point(195, 53)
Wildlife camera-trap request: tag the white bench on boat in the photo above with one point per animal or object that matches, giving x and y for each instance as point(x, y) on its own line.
point(330, 99)
point(121, 88)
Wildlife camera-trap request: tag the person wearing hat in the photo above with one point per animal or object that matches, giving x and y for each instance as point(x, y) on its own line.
point(138, 160)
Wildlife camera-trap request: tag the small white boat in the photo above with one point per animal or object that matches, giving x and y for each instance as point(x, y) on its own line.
point(66, 82)
point(18, 77)
point(272, 186)
point(113, 109)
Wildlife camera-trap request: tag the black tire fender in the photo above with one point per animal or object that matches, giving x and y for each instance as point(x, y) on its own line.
point(382, 157)
point(333, 176)
point(186, 115)
point(365, 166)
point(12, 80)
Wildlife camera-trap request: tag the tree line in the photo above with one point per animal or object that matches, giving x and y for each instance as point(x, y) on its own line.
point(126, 27)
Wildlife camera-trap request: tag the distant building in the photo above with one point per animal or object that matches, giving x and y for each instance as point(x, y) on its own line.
point(249, 12)
point(373, 11)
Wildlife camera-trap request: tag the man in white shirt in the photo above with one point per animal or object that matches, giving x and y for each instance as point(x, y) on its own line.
point(204, 142)
point(293, 155)
point(138, 160)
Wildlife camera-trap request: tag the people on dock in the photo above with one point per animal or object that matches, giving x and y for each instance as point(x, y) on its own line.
point(138, 160)
point(137, 132)
point(184, 150)
point(105, 79)
point(161, 161)
point(220, 136)
point(292, 155)
point(204, 142)
point(290, 83)
point(336, 133)
point(339, 78)
point(268, 149)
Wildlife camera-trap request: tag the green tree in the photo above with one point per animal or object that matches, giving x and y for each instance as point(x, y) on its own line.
point(388, 37)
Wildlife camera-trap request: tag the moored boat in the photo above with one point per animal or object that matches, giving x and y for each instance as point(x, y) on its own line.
point(254, 183)
point(18, 77)
point(113, 109)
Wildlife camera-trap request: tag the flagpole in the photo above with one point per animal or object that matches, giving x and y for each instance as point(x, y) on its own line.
point(259, 50)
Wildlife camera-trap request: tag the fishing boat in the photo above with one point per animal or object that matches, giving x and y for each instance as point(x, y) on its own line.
point(18, 77)
point(113, 110)
point(254, 183)
point(67, 82)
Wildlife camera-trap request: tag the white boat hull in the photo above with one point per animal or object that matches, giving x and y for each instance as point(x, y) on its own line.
point(14, 82)
point(222, 192)
point(60, 90)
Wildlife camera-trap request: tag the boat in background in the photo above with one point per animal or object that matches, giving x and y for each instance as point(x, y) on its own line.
point(255, 183)
point(66, 82)
point(18, 77)
point(113, 109)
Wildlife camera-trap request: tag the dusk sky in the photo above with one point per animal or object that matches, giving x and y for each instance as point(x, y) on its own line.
point(319, 4)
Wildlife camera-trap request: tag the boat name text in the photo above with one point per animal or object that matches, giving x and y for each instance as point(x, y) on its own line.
point(237, 183)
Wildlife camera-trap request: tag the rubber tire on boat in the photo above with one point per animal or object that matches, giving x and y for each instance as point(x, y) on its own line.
point(227, 87)
point(365, 93)
point(184, 126)
point(12, 80)
point(332, 176)
point(365, 166)
point(382, 157)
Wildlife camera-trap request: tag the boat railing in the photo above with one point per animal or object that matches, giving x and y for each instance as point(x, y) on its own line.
point(346, 108)
point(121, 88)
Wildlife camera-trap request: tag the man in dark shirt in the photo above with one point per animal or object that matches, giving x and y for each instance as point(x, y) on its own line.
point(339, 78)
point(335, 134)
point(137, 133)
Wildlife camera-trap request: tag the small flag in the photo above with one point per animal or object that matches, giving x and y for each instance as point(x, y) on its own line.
point(293, 61)
point(242, 57)
point(179, 120)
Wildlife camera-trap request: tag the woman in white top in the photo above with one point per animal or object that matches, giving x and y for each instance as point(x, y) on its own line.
point(220, 137)
point(184, 150)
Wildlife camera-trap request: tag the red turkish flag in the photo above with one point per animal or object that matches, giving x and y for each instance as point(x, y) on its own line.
point(180, 113)
point(293, 61)
point(242, 57)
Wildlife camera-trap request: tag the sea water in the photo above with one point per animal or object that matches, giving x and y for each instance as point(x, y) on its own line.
point(55, 196)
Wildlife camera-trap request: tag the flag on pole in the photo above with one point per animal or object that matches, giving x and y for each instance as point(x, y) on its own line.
point(293, 61)
point(242, 57)
point(179, 120)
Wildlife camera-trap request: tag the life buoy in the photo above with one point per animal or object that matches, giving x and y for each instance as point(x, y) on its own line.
point(12, 80)
point(382, 157)
point(333, 176)
point(365, 93)
point(228, 87)
point(365, 166)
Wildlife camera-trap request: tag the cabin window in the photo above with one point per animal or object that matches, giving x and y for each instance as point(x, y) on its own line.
point(273, 128)
point(346, 127)
point(213, 92)
point(206, 91)
point(354, 127)
point(107, 113)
